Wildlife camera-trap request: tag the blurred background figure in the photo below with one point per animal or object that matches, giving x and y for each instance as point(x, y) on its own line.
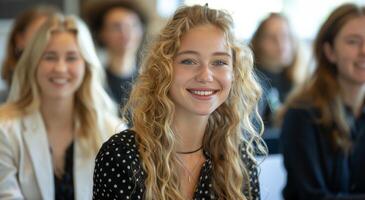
point(323, 133)
point(276, 60)
point(25, 25)
point(56, 117)
point(118, 28)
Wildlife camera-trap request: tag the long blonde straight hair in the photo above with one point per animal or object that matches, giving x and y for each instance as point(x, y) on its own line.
point(93, 108)
point(151, 111)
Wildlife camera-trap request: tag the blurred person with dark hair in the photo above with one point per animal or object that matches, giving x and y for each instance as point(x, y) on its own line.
point(118, 28)
point(276, 62)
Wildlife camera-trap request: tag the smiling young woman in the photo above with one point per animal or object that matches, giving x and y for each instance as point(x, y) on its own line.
point(56, 117)
point(191, 109)
point(25, 25)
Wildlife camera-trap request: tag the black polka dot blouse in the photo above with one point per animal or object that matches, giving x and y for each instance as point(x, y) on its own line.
point(119, 175)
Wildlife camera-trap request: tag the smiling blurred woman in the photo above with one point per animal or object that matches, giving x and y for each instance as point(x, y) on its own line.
point(25, 25)
point(53, 124)
point(323, 134)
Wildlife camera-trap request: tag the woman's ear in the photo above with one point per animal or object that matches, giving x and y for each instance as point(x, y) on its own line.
point(329, 52)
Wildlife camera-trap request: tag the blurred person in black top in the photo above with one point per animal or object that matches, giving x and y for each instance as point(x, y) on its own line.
point(323, 132)
point(277, 66)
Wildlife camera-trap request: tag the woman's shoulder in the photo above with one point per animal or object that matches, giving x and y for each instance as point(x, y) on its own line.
point(10, 130)
point(14, 124)
point(8, 123)
point(117, 167)
point(124, 140)
point(250, 163)
point(247, 158)
point(121, 146)
point(121, 149)
point(297, 114)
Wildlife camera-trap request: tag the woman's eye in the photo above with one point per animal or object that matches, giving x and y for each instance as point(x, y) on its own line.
point(187, 62)
point(353, 41)
point(220, 62)
point(72, 58)
point(49, 57)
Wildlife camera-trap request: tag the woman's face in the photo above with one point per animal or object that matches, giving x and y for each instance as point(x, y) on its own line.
point(275, 45)
point(348, 52)
point(203, 72)
point(122, 30)
point(61, 68)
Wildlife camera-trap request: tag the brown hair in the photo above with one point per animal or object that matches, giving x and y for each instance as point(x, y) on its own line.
point(95, 13)
point(291, 70)
point(321, 91)
point(21, 24)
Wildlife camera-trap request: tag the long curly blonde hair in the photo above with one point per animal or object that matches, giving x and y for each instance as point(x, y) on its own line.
point(151, 111)
point(95, 112)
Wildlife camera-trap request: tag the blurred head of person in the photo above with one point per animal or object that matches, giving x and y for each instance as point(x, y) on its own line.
point(60, 64)
point(339, 51)
point(339, 47)
point(25, 25)
point(153, 102)
point(274, 45)
point(117, 26)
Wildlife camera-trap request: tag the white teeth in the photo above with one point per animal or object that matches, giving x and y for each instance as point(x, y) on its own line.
point(202, 93)
point(59, 80)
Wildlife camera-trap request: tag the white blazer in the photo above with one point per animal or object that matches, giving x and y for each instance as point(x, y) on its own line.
point(26, 170)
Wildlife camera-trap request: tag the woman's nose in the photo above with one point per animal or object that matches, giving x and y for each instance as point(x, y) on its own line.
point(205, 73)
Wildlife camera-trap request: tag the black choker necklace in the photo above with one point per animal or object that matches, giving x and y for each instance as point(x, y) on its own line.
point(190, 152)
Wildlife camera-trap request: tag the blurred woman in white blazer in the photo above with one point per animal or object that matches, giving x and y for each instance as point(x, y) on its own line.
point(56, 117)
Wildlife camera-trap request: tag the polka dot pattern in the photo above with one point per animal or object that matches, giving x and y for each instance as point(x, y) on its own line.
point(119, 175)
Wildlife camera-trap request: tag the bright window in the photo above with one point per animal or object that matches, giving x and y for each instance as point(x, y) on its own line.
point(305, 15)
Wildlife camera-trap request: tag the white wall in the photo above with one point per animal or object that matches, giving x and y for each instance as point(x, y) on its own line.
point(272, 177)
point(5, 26)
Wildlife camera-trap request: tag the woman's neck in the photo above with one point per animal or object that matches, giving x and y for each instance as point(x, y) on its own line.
point(58, 115)
point(190, 132)
point(353, 96)
point(122, 65)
